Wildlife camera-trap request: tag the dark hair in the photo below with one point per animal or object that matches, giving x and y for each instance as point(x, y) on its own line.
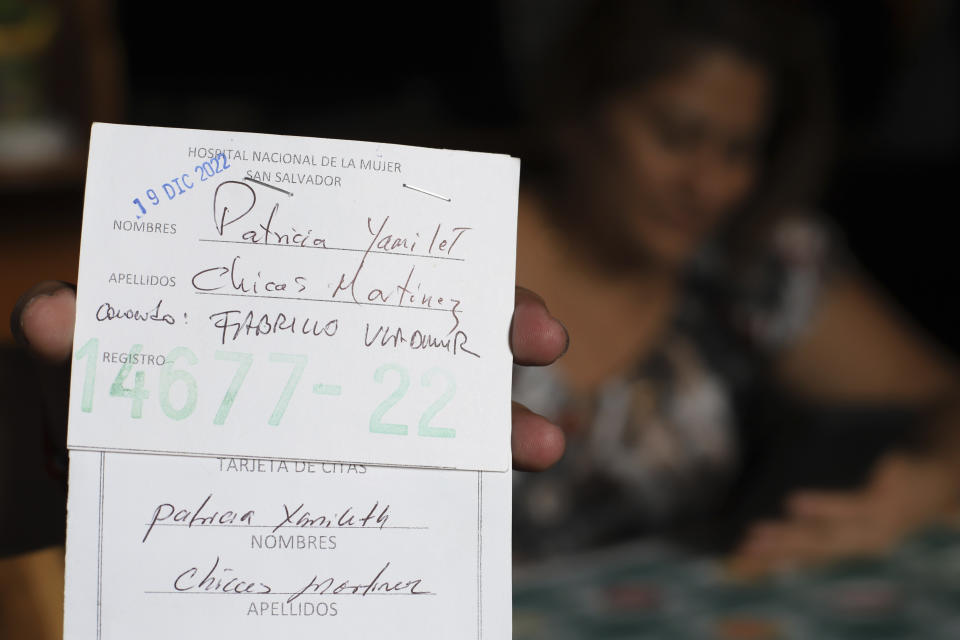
point(619, 45)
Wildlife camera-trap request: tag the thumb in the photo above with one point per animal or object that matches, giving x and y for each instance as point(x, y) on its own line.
point(42, 321)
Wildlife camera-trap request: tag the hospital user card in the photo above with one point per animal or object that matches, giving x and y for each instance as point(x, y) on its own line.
point(289, 408)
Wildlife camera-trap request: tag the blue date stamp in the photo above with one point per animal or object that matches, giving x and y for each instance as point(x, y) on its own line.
point(179, 185)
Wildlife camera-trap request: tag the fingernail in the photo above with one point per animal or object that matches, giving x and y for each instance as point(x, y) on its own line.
point(45, 289)
point(566, 333)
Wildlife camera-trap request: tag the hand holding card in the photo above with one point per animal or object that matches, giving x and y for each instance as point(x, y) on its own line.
point(114, 495)
point(43, 322)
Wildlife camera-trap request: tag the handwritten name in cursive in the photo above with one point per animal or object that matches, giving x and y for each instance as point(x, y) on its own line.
point(345, 520)
point(378, 585)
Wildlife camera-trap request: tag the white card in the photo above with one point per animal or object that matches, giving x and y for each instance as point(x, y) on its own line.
point(267, 296)
point(184, 547)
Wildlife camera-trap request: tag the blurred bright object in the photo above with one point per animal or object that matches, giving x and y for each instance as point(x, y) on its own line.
point(31, 135)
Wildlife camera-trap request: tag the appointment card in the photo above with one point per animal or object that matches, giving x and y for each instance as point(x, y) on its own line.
point(289, 409)
point(166, 547)
point(267, 296)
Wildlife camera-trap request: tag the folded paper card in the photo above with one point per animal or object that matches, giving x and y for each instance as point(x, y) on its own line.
point(267, 296)
point(166, 547)
point(289, 408)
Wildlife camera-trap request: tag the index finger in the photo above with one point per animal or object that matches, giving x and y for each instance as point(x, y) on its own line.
point(43, 319)
point(536, 337)
point(828, 505)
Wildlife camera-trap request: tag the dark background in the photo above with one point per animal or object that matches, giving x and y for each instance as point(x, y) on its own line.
point(451, 73)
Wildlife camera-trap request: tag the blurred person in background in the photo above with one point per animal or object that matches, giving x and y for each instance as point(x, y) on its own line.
point(675, 149)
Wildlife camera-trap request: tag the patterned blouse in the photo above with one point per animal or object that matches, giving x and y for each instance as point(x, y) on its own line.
point(661, 442)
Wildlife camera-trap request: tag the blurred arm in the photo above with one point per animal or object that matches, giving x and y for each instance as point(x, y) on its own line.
point(860, 348)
